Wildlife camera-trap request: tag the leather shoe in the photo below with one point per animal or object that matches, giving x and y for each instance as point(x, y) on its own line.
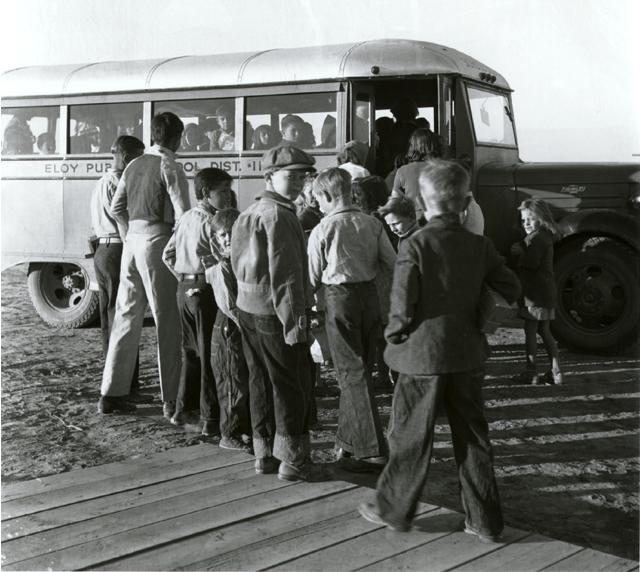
point(211, 427)
point(109, 404)
point(234, 444)
point(363, 464)
point(483, 537)
point(370, 512)
point(288, 472)
point(168, 409)
point(266, 465)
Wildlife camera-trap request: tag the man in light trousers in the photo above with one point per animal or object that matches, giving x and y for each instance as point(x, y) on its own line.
point(151, 196)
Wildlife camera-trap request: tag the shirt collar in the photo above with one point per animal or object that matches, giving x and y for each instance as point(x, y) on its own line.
point(206, 206)
point(345, 209)
point(160, 150)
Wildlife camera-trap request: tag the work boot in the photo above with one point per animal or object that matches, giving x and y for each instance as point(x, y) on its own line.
point(109, 404)
point(266, 465)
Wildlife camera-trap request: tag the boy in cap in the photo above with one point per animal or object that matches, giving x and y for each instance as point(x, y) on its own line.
point(347, 250)
point(108, 253)
point(227, 357)
point(269, 259)
point(435, 342)
point(192, 250)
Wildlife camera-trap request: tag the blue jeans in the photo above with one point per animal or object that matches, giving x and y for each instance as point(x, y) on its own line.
point(353, 325)
point(278, 389)
point(416, 401)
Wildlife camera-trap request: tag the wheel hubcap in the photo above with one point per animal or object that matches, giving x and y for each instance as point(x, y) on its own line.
point(593, 297)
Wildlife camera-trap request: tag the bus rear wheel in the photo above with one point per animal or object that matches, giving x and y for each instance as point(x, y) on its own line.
point(60, 294)
point(598, 295)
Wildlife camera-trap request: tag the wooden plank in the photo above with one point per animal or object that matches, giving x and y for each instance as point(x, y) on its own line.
point(366, 543)
point(458, 548)
point(216, 548)
point(217, 492)
point(131, 480)
point(69, 514)
point(589, 560)
point(84, 476)
point(331, 548)
point(95, 553)
point(536, 551)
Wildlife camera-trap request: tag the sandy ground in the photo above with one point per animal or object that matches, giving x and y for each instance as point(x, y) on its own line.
point(566, 457)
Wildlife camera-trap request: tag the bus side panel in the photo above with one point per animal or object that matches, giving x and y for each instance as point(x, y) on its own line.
point(32, 213)
point(77, 215)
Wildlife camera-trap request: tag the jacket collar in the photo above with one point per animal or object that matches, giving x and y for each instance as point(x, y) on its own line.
point(276, 198)
point(444, 221)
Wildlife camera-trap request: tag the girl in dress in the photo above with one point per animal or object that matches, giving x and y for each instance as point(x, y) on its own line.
point(534, 260)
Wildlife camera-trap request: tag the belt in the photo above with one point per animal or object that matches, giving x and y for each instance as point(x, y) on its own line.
point(110, 240)
point(191, 276)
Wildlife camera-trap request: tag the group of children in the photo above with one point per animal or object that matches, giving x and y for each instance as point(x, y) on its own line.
point(250, 285)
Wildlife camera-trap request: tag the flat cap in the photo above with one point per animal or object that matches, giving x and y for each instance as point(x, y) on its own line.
point(286, 157)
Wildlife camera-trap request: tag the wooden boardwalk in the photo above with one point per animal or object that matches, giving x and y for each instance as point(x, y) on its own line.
point(203, 508)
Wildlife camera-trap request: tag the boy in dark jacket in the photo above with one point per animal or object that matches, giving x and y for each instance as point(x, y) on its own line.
point(435, 342)
point(269, 259)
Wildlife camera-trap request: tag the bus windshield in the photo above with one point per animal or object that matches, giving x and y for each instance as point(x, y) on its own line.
point(492, 118)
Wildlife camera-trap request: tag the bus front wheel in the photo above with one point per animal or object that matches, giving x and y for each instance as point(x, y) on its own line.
point(60, 294)
point(598, 295)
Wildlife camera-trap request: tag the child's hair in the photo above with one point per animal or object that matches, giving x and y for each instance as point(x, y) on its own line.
point(208, 179)
point(165, 127)
point(336, 182)
point(542, 212)
point(420, 146)
point(370, 192)
point(130, 147)
point(450, 185)
point(399, 206)
point(354, 152)
point(45, 138)
point(224, 219)
point(256, 140)
point(290, 119)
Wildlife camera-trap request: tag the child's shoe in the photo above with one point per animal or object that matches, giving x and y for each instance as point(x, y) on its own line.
point(553, 378)
point(527, 378)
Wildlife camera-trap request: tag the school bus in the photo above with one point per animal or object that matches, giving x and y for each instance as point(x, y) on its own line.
point(58, 123)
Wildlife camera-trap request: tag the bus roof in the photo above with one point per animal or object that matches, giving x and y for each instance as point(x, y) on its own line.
point(392, 57)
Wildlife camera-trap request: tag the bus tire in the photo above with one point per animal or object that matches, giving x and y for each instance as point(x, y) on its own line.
point(60, 293)
point(598, 284)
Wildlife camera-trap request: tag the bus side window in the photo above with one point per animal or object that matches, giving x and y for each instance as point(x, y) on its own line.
point(306, 120)
point(30, 130)
point(93, 128)
point(208, 123)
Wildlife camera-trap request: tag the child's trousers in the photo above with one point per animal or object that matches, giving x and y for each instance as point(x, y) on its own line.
point(197, 389)
point(353, 323)
point(278, 389)
point(232, 377)
point(416, 401)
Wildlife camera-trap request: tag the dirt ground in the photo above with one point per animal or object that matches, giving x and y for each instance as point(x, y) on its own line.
point(566, 457)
